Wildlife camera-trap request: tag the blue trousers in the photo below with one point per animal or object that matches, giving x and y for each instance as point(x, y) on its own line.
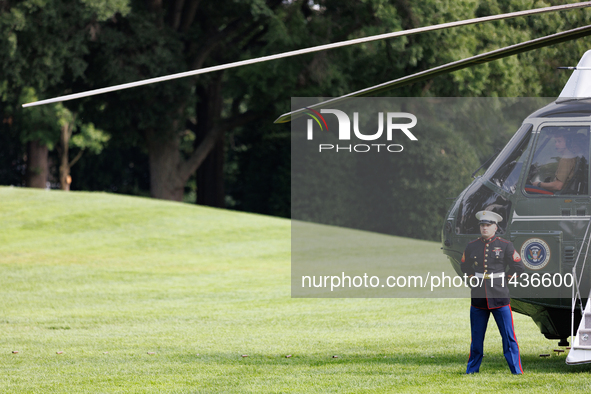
point(478, 323)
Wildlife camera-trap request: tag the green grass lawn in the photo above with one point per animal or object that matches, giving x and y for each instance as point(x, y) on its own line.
point(109, 279)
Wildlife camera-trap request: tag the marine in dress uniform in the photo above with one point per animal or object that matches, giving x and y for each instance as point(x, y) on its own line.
point(492, 260)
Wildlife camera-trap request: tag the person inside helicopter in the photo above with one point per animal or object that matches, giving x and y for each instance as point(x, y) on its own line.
point(566, 163)
point(560, 167)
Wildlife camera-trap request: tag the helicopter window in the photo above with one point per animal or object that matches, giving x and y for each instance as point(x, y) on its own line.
point(479, 198)
point(560, 165)
point(505, 170)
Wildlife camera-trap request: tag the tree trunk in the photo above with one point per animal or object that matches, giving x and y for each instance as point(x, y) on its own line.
point(37, 165)
point(169, 172)
point(63, 150)
point(210, 177)
point(166, 181)
point(210, 174)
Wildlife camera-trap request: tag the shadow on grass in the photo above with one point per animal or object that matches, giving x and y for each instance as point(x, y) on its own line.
point(319, 360)
point(491, 363)
point(553, 363)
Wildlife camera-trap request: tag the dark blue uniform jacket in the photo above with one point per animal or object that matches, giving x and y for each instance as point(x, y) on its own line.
point(491, 256)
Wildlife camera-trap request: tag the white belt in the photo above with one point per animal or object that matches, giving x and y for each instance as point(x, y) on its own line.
point(488, 276)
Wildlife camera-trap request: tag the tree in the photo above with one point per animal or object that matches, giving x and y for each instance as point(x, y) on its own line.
point(42, 44)
point(159, 38)
point(88, 137)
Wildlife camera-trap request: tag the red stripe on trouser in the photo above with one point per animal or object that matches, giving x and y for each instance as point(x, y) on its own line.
point(515, 337)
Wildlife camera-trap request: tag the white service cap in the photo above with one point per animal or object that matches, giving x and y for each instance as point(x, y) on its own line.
point(489, 217)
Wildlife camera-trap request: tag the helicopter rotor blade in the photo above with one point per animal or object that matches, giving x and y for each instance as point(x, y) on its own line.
point(402, 33)
point(449, 67)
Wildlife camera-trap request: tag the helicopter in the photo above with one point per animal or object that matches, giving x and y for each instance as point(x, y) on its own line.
point(547, 219)
point(513, 186)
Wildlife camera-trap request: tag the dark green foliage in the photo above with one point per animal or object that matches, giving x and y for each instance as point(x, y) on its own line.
point(130, 49)
point(260, 179)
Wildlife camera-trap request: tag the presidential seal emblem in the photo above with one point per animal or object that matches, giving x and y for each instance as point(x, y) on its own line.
point(535, 254)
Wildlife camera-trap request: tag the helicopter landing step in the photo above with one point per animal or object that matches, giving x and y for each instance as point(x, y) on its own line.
point(580, 353)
